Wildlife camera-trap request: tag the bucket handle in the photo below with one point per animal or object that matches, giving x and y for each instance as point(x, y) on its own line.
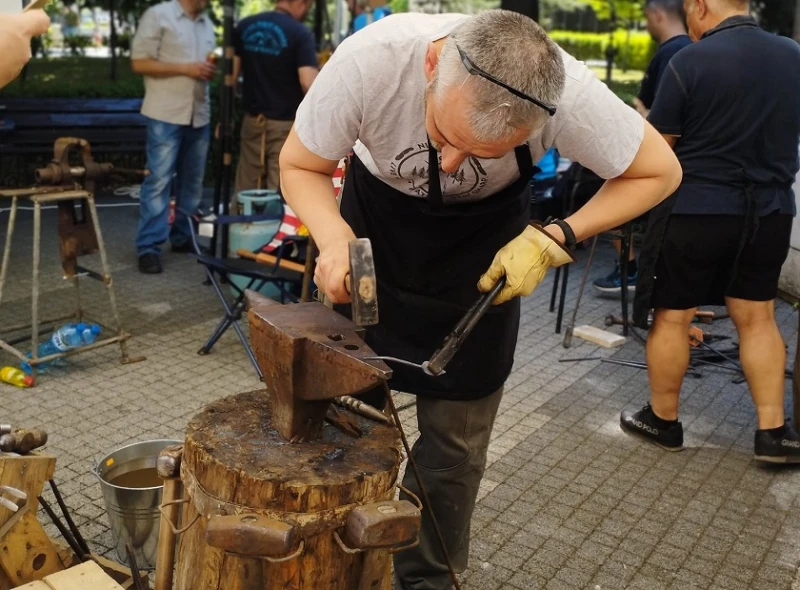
point(175, 531)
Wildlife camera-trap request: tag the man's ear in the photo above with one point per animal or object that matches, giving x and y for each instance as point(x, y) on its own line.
point(701, 6)
point(431, 59)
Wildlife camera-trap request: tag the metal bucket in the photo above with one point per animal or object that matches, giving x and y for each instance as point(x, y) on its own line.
point(133, 511)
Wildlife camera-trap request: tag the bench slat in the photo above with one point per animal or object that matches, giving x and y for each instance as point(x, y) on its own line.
point(70, 105)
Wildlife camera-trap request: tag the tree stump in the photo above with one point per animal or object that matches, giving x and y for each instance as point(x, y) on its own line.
point(235, 462)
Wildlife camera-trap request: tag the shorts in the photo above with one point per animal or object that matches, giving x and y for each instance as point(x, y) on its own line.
point(698, 262)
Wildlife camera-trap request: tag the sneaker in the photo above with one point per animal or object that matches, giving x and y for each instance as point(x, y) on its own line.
point(613, 282)
point(150, 264)
point(783, 448)
point(643, 423)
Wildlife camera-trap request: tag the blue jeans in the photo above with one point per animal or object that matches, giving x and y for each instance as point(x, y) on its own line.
point(171, 149)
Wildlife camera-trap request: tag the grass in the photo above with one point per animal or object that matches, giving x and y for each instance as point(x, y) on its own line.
point(618, 75)
point(75, 77)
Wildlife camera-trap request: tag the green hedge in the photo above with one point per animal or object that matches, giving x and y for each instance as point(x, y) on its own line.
point(635, 48)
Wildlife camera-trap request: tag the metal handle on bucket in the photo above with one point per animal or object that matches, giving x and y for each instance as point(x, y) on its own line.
point(167, 519)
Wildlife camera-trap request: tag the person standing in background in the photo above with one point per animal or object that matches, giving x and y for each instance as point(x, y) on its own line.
point(666, 24)
point(171, 50)
point(277, 55)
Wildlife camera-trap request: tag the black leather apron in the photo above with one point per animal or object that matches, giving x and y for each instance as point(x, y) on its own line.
point(428, 259)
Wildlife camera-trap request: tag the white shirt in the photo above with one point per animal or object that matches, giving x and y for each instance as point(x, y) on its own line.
point(370, 97)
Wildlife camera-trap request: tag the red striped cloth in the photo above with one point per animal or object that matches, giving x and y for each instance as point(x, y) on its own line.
point(291, 225)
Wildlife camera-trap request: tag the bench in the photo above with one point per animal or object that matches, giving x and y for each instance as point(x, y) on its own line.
point(29, 127)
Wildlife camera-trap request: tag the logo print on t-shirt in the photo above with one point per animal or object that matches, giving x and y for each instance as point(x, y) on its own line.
point(411, 165)
point(264, 37)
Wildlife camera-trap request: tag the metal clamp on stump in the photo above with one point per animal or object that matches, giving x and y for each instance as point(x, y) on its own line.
point(254, 535)
point(392, 525)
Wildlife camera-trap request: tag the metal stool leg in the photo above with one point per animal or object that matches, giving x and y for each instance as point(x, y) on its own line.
point(37, 235)
point(555, 289)
point(562, 299)
point(623, 271)
point(12, 219)
point(123, 346)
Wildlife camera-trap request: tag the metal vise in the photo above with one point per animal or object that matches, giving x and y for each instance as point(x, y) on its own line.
point(309, 354)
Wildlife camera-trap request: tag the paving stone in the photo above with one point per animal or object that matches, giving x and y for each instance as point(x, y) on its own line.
point(567, 502)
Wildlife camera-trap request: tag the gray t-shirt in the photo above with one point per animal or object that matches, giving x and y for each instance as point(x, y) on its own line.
point(370, 97)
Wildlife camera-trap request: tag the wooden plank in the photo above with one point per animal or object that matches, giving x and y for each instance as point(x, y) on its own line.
point(598, 336)
point(86, 576)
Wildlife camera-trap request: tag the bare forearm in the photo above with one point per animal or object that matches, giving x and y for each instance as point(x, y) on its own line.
point(311, 196)
point(158, 69)
point(617, 202)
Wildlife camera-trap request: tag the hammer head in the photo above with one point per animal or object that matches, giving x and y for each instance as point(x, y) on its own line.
point(363, 285)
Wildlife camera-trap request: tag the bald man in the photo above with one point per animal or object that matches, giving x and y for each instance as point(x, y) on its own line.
point(16, 32)
point(729, 104)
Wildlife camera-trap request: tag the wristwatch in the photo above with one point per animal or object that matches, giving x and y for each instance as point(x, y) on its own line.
point(569, 235)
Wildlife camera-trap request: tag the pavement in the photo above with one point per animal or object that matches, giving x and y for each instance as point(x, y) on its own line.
point(568, 501)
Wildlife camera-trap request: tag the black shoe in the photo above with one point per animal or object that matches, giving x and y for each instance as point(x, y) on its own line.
point(778, 448)
point(150, 264)
point(646, 424)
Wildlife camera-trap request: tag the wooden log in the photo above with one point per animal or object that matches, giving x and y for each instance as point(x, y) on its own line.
point(235, 462)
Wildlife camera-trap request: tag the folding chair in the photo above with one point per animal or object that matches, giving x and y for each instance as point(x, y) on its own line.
point(258, 274)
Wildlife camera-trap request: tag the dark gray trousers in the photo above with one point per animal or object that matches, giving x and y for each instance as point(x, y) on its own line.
point(450, 454)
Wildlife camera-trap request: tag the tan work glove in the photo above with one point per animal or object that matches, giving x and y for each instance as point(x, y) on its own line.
point(524, 261)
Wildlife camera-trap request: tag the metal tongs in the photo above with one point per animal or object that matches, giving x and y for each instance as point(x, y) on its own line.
point(435, 366)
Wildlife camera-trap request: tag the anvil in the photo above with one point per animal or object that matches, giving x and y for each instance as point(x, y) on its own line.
point(309, 354)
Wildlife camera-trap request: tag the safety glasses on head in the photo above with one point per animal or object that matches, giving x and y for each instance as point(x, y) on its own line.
point(475, 70)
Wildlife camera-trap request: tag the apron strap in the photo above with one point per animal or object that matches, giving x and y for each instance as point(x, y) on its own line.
point(524, 164)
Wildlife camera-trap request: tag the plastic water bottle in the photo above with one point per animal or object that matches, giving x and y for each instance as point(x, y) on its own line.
point(15, 376)
point(65, 338)
point(90, 333)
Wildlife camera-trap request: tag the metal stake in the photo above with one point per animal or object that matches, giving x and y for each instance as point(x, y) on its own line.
point(12, 219)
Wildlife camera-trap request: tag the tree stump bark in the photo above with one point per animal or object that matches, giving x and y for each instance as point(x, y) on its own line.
point(235, 462)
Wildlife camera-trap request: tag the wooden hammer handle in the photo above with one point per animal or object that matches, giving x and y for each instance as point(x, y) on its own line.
point(265, 258)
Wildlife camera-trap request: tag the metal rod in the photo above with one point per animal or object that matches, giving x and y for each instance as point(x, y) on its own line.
point(393, 359)
point(135, 576)
point(73, 544)
point(37, 234)
point(364, 409)
point(54, 320)
point(425, 497)
point(567, 341)
point(70, 523)
point(58, 355)
point(796, 379)
point(562, 299)
point(12, 219)
point(625, 247)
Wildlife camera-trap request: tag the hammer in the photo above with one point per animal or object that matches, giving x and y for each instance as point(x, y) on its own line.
point(361, 283)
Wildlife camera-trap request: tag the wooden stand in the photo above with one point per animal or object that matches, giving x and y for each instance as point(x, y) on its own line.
point(234, 462)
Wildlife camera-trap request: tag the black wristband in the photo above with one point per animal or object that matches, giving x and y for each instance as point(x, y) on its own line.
point(569, 235)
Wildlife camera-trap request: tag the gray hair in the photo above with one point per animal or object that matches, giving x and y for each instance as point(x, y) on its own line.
point(515, 50)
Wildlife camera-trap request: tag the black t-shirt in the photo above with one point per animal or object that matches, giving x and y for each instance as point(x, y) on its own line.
point(733, 98)
point(657, 66)
point(272, 47)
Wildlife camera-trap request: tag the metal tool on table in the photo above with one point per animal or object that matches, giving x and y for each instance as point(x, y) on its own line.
point(451, 345)
point(23, 441)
